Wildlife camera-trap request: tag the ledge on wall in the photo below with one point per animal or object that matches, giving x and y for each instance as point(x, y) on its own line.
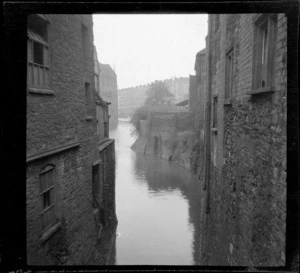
point(214, 130)
point(228, 101)
point(40, 91)
point(49, 232)
point(266, 90)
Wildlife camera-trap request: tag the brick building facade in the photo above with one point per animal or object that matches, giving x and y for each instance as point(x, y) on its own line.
point(109, 92)
point(63, 156)
point(244, 190)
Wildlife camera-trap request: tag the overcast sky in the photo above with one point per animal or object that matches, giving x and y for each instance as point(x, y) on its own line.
point(148, 47)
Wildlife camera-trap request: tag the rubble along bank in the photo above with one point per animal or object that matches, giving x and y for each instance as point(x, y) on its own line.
point(176, 147)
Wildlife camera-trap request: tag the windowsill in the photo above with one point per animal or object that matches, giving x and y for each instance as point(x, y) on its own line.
point(49, 232)
point(265, 90)
point(228, 101)
point(89, 118)
point(214, 130)
point(104, 143)
point(104, 140)
point(42, 91)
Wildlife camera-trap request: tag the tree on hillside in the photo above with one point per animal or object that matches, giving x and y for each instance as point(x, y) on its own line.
point(140, 113)
point(158, 94)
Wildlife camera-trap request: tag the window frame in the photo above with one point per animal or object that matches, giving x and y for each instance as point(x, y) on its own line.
point(88, 97)
point(43, 70)
point(214, 124)
point(51, 190)
point(257, 81)
point(84, 41)
point(96, 76)
point(229, 83)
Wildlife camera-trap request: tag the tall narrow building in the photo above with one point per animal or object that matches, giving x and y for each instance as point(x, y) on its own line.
point(109, 92)
point(244, 189)
point(63, 145)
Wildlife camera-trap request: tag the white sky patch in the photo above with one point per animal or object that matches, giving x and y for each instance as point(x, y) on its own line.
point(148, 47)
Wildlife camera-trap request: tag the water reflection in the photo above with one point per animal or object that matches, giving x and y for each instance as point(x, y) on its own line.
point(157, 208)
point(163, 177)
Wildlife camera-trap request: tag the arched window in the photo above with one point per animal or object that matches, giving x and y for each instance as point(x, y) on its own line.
point(47, 181)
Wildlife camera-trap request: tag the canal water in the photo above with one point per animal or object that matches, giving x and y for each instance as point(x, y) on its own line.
point(157, 208)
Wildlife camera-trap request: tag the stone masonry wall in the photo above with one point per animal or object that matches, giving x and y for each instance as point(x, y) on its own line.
point(247, 193)
point(169, 136)
point(56, 120)
point(198, 154)
point(108, 191)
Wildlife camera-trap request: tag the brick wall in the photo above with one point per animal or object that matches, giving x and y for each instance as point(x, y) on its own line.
point(198, 155)
point(109, 92)
point(107, 156)
point(193, 94)
point(247, 190)
point(55, 120)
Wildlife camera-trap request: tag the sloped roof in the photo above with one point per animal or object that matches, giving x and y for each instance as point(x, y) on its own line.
point(106, 67)
point(182, 103)
point(201, 52)
point(96, 63)
point(36, 37)
point(101, 101)
point(197, 61)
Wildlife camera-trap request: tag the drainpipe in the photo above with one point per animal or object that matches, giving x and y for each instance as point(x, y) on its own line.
point(208, 116)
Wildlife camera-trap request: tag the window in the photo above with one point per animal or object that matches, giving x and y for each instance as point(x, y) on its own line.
point(84, 36)
point(101, 118)
point(87, 96)
point(264, 52)
point(215, 112)
point(37, 52)
point(96, 185)
point(215, 129)
point(97, 83)
point(106, 124)
point(47, 177)
point(229, 74)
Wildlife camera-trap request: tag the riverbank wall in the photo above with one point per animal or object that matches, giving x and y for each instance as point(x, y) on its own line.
point(168, 135)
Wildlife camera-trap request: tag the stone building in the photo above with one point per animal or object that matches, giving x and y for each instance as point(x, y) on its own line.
point(109, 92)
point(179, 87)
point(96, 72)
point(102, 107)
point(200, 71)
point(244, 190)
point(133, 97)
point(193, 95)
point(66, 157)
point(197, 108)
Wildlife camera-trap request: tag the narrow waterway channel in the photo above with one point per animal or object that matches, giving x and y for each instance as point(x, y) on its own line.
point(157, 205)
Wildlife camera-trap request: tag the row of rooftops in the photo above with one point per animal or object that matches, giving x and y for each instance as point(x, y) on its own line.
point(198, 55)
point(148, 84)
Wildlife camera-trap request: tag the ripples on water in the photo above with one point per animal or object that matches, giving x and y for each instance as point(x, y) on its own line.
point(157, 207)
